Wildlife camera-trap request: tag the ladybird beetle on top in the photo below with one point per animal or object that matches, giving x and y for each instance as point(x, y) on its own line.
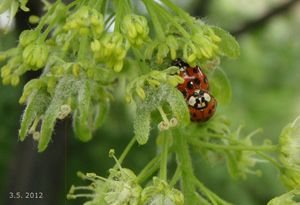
point(194, 78)
point(202, 105)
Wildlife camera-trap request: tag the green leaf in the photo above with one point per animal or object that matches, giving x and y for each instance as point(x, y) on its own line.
point(100, 114)
point(81, 118)
point(81, 131)
point(220, 86)
point(178, 106)
point(49, 123)
point(142, 126)
point(228, 45)
point(36, 105)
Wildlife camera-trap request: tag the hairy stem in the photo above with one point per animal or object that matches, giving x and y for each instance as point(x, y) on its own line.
point(185, 163)
point(164, 158)
point(240, 147)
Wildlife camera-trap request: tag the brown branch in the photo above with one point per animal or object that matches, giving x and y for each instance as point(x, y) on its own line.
point(256, 23)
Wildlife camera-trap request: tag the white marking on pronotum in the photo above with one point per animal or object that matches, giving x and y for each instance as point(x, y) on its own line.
point(192, 101)
point(207, 97)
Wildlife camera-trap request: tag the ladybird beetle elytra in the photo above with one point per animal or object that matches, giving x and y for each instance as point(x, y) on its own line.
point(194, 78)
point(195, 89)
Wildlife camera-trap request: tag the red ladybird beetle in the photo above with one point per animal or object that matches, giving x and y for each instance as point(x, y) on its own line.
point(193, 77)
point(202, 105)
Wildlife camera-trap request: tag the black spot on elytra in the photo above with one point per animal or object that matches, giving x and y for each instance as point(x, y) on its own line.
point(190, 85)
point(195, 70)
point(209, 111)
point(197, 81)
point(184, 93)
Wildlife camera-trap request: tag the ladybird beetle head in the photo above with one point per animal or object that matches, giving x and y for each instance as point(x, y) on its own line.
point(180, 64)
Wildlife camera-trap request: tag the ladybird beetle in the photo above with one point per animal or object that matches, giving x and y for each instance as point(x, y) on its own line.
point(194, 78)
point(202, 105)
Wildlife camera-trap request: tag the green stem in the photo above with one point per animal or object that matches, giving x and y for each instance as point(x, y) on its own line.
point(163, 114)
point(199, 143)
point(103, 5)
point(215, 199)
point(175, 177)
point(178, 11)
point(170, 18)
point(149, 169)
point(270, 159)
point(73, 3)
point(122, 7)
point(127, 149)
point(83, 46)
point(139, 57)
point(45, 17)
point(164, 157)
point(185, 163)
point(156, 22)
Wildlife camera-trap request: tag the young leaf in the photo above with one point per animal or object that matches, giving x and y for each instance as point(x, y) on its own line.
point(228, 45)
point(178, 106)
point(80, 129)
point(142, 126)
point(49, 123)
point(36, 105)
point(81, 117)
point(100, 114)
point(220, 86)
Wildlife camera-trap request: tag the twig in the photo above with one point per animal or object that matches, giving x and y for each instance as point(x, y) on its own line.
point(253, 24)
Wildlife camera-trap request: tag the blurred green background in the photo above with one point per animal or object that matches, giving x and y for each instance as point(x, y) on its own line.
point(266, 93)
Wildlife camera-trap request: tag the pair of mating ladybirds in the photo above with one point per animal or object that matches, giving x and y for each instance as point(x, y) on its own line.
point(195, 89)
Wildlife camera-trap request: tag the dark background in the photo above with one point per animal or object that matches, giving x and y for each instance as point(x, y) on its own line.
point(265, 83)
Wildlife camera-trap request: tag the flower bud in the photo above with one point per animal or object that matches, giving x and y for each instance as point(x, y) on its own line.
point(65, 110)
point(95, 45)
point(27, 37)
point(163, 125)
point(141, 93)
point(5, 71)
point(36, 136)
point(175, 80)
point(76, 70)
point(15, 80)
point(161, 192)
point(158, 75)
point(36, 55)
point(34, 19)
point(6, 80)
point(136, 29)
point(153, 83)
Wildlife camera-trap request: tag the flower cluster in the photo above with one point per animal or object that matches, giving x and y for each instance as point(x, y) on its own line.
point(161, 193)
point(289, 147)
point(121, 188)
point(135, 28)
point(111, 50)
point(85, 21)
